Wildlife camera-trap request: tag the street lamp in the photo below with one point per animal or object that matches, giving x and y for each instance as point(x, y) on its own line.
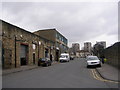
point(15, 50)
point(15, 37)
point(39, 43)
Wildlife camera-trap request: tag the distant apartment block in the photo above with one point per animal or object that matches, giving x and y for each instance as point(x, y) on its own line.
point(75, 47)
point(87, 46)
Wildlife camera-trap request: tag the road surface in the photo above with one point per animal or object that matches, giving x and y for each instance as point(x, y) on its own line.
point(73, 74)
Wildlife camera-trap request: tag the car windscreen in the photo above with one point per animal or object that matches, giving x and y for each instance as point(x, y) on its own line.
point(92, 58)
point(43, 59)
point(63, 56)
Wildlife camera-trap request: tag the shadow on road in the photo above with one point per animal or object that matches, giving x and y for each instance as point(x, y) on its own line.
point(93, 67)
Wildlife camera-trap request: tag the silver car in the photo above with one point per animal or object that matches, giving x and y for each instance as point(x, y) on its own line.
point(93, 61)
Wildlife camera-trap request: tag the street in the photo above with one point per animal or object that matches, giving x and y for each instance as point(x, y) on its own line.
point(73, 74)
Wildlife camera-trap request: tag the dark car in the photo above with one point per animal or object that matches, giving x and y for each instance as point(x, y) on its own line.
point(71, 57)
point(44, 62)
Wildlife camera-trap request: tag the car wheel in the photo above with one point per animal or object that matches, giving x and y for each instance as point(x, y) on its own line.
point(49, 64)
point(38, 64)
point(87, 66)
point(46, 64)
point(99, 65)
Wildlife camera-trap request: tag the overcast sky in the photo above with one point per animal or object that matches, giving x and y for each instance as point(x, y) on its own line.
point(77, 21)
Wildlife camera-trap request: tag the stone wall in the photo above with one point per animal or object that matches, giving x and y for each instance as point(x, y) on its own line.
point(112, 54)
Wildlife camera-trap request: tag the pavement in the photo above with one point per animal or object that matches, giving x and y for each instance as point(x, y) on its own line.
point(22, 68)
point(109, 72)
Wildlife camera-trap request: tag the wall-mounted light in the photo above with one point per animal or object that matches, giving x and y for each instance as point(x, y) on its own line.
point(39, 42)
point(35, 42)
point(4, 32)
point(15, 35)
point(21, 36)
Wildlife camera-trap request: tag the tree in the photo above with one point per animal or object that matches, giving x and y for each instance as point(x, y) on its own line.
point(98, 50)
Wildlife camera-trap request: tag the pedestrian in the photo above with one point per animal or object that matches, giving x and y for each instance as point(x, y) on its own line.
point(102, 58)
point(51, 57)
point(105, 59)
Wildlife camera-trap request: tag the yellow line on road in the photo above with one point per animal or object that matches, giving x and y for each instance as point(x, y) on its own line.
point(94, 75)
point(98, 77)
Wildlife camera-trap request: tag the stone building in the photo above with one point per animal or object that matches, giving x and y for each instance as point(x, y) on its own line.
point(83, 53)
point(59, 40)
point(78, 54)
point(20, 47)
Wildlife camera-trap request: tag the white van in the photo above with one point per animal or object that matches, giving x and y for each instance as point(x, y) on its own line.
point(64, 57)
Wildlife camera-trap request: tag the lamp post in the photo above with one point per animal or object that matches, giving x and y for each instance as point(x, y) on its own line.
point(51, 54)
point(15, 36)
point(39, 43)
point(15, 51)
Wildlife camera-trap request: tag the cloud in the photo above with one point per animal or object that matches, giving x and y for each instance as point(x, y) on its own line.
point(78, 22)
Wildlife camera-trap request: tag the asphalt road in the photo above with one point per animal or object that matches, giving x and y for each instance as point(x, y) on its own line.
point(73, 74)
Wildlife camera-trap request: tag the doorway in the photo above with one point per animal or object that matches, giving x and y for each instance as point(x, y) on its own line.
point(46, 53)
point(33, 58)
point(57, 55)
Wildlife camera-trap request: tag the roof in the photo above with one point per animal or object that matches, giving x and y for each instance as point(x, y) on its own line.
point(54, 29)
point(25, 30)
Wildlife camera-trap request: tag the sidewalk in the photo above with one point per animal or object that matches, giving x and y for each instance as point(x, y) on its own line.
point(108, 72)
point(22, 68)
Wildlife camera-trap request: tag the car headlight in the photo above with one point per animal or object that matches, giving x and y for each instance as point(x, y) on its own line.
point(99, 61)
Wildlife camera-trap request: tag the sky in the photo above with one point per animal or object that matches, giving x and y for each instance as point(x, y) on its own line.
point(79, 22)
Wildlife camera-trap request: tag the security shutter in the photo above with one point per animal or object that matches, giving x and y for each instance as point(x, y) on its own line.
point(23, 51)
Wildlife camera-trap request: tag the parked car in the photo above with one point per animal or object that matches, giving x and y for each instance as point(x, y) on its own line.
point(64, 57)
point(44, 62)
point(93, 61)
point(71, 57)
